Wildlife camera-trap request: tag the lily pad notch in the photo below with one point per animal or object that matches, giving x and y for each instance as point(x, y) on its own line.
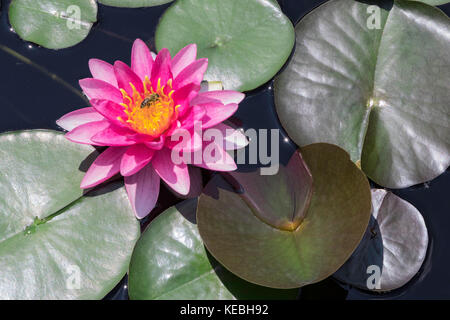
point(246, 42)
point(171, 262)
point(379, 90)
point(274, 231)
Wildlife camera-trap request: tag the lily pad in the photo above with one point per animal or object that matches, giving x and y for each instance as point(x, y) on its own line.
point(133, 3)
point(55, 241)
point(396, 243)
point(170, 262)
point(53, 24)
point(433, 2)
point(382, 93)
point(265, 230)
point(246, 42)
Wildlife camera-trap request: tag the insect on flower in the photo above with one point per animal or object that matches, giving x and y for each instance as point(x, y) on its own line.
point(148, 101)
point(136, 111)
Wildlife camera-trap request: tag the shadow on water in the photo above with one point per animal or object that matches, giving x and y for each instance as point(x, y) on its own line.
point(368, 253)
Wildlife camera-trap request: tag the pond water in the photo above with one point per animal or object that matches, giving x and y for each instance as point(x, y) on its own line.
point(38, 86)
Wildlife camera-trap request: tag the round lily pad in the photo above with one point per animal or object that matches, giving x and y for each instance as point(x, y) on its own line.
point(373, 80)
point(53, 24)
point(393, 248)
point(246, 42)
point(282, 231)
point(133, 3)
point(170, 262)
point(57, 242)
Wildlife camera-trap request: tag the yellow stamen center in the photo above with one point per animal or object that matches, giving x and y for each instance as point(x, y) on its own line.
point(151, 112)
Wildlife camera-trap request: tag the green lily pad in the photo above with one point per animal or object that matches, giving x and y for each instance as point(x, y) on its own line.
point(396, 243)
point(171, 263)
point(245, 224)
point(246, 42)
point(55, 241)
point(54, 24)
point(433, 2)
point(381, 94)
point(133, 3)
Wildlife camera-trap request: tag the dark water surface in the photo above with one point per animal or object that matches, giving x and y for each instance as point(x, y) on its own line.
point(33, 95)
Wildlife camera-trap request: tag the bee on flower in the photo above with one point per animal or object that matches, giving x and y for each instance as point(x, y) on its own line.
point(136, 111)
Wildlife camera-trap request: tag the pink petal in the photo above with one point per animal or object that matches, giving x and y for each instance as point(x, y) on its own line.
point(78, 117)
point(176, 176)
point(136, 157)
point(116, 136)
point(233, 139)
point(224, 96)
point(194, 114)
point(193, 73)
point(83, 134)
point(104, 167)
point(161, 68)
point(217, 113)
point(99, 89)
point(196, 181)
point(185, 140)
point(143, 191)
point(219, 161)
point(183, 58)
point(141, 59)
point(102, 70)
point(112, 111)
point(125, 77)
point(200, 99)
point(184, 95)
point(157, 144)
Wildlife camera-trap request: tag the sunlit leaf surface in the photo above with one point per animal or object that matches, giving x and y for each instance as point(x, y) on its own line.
point(246, 42)
point(53, 24)
point(373, 80)
point(55, 241)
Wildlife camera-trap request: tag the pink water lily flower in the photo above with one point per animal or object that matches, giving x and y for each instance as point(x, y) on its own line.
point(135, 112)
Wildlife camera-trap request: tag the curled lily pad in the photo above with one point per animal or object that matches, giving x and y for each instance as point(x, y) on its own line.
point(246, 42)
point(394, 246)
point(55, 241)
point(53, 24)
point(133, 3)
point(170, 262)
point(373, 80)
point(274, 231)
